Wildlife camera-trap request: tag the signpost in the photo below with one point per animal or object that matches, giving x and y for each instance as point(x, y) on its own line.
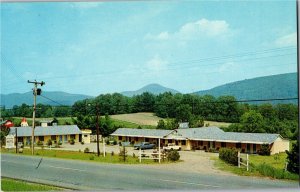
point(10, 142)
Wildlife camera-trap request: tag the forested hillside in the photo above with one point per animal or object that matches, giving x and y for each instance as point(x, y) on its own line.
point(275, 86)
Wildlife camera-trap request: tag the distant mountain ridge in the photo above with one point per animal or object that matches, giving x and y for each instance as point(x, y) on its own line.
point(151, 88)
point(63, 98)
point(267, 87)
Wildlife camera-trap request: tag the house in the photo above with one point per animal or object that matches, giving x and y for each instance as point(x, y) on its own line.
point(205, 138)
point(86, 135)
point(62, 133)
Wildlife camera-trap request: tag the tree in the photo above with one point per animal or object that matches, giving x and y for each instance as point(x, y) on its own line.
point(252, 122)
point(293, 158)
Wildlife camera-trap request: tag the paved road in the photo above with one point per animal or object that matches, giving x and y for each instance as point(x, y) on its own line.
point(97, 176)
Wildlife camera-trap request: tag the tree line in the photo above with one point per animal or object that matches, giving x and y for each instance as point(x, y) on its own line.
point(175, 108)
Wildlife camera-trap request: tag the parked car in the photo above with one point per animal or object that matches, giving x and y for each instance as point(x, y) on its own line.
point(172, 146)
point(144, 145)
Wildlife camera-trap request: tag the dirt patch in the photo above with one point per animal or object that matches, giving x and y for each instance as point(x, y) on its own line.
point(138, 118)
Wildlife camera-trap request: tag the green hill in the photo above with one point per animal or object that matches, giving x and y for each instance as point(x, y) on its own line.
point(151, 88)
point(275, 86)
point(9, 100)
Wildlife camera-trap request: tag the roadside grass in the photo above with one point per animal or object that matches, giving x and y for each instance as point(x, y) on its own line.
point(16, 185)
point(92, 157)
point(260, 166)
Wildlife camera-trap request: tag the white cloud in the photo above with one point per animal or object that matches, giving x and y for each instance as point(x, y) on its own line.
point(202, 28)
point(85, 5)
point(228, 67)
point(287, 40)
point(156, 64)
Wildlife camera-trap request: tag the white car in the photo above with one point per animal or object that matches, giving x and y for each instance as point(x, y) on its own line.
point(172, 146)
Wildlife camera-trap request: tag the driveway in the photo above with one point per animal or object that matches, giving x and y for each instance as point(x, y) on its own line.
point(193, 161)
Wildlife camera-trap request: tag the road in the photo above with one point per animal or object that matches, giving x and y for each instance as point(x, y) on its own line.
point(97, 176)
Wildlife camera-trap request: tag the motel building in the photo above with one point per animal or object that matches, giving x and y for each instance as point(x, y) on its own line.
point(204, 138)
point(50, 130)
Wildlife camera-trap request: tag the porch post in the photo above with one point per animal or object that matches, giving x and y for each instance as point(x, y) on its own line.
point(159, 150)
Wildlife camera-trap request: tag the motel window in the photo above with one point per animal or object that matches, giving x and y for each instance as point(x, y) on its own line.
point(201, 143)
point(41, 138)
point(223, 144)
point(183, 142)
point(254, 148)
point(53, 137)
point(146, 139)
point(136, 139)
point(85, 136)
point(238, 145)
point(72, 136)
point(120, 138)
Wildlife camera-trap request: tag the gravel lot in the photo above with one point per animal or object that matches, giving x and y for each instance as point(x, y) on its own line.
point(193, 161)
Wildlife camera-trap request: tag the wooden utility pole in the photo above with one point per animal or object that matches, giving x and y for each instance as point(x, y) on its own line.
point(97, 128)
point(35, 93)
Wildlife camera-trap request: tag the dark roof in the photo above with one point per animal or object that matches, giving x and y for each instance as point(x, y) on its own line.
point(43, 131)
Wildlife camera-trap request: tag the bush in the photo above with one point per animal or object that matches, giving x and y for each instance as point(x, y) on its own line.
point(49, 142)
point(86, 150)
point(39, 143)
point(92, 157)
point(82, 142)
point(265, 150)
point(293, 159)
point(72, 142)
point(115, 142)
point(229, 155)
point(173, 155)
point(112, 153)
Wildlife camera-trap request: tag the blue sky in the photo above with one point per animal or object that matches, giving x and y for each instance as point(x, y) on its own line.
point(106, 47)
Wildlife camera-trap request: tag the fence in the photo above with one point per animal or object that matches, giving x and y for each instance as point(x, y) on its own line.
point(240, 162)
point(155, 155)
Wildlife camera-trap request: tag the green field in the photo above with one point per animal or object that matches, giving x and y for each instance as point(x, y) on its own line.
point(16, 185)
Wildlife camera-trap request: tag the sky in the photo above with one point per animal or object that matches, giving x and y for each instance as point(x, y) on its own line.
point(96, 48)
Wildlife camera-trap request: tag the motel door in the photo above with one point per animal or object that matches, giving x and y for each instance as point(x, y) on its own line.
point(60, 138)
point(66, 138)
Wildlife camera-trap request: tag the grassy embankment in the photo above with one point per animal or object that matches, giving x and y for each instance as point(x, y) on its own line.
point(16, 185)
point(261, 166)
point(92, 157)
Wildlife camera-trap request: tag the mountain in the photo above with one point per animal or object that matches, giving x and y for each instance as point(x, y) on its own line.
point(151, 88)
point(275, 86)
point(9, 100)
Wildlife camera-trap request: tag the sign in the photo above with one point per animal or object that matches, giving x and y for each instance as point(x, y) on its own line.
point(10, 141)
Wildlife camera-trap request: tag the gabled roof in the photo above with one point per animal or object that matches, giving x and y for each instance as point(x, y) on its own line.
point(43, 131)
point(152, 133)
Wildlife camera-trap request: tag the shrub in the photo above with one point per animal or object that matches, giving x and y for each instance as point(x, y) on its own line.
point(115, 142)
point(123, 154)
point(49, 142)
point(107, 142)
point(229, 155)
point(112, 153)
point(92, 157)
point(293, 159)
point(265, 150)
point(82, 142)
point(86, 150)
point(72, 142)
point(173, 155)
point(39, 143)
point(133, 155)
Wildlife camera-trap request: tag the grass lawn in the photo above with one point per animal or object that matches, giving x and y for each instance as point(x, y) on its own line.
point(262, 166)
point(16, 185)
point(122, 123)
point(76, 155)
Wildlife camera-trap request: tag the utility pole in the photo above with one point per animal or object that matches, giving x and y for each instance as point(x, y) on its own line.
point(36, 92)
point(97, 127)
